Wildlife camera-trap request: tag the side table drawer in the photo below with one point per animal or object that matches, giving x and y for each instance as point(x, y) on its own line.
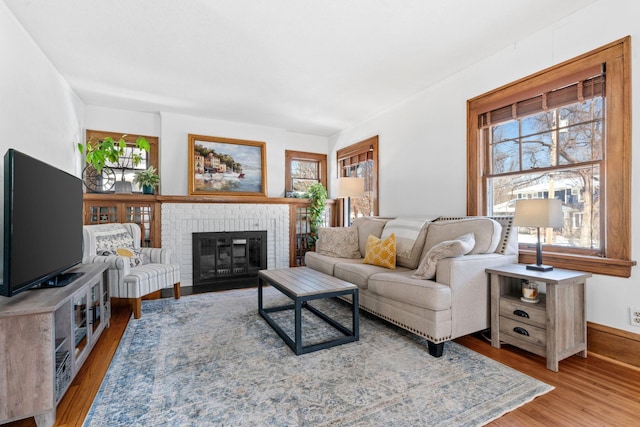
point(522, 331)
point(531, 314)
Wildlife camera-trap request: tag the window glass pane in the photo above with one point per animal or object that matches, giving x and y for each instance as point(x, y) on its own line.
point(305, 169)
point(580, 143)
point(506, 130)
point(537, 123)
point(126, 161)
point(537, 151)
point(579, 190)
point(506, 156)
point(581, 112)
point(302, 185)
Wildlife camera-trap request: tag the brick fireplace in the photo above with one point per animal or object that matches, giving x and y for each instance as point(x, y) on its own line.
point(181, 220)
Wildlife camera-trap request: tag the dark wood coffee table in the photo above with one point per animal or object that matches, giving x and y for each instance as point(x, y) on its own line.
point(303, 284)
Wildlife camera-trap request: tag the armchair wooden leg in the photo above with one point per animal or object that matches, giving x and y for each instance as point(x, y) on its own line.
point(136, 304)
point(176, 290)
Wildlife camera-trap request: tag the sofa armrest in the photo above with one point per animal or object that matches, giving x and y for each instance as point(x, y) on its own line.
point(157, 255)
point(470, 290)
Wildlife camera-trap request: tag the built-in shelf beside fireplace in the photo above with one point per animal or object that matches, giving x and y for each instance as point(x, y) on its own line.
point(228, 259)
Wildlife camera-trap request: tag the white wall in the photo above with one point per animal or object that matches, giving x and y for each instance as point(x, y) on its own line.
point(127, 122)
point(39, 114)
point(423, 141)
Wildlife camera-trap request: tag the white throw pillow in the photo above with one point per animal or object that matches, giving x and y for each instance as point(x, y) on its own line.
point(447, 249)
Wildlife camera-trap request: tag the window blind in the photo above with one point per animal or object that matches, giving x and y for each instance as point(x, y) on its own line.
point(570, 94)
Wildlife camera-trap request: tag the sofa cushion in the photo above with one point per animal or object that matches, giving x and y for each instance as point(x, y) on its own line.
point(410, 234)
point(381, 252)
point(447, 249)
point(367, 226)
point(399, 286)
point(359, 273)
point(341, 242)
point(486, 231)
point(508, 244)
point(324, 263)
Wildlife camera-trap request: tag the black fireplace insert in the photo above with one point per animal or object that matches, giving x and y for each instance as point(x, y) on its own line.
point(229, 259)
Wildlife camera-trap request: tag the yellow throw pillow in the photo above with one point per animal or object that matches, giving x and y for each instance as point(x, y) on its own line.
point(381, 252)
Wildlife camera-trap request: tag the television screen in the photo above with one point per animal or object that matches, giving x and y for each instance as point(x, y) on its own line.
point(42, 223)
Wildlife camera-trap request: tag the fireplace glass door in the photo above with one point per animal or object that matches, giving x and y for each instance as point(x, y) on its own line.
point(228, 260)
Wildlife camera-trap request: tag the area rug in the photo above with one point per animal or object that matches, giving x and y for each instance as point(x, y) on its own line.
point(211, 360)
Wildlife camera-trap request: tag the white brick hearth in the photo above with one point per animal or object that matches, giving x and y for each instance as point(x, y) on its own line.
point(180, 220)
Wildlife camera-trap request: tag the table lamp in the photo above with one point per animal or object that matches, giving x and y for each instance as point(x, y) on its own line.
point(349, 187)
point(538, 213)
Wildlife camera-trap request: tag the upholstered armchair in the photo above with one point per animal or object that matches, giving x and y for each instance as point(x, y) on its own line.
point(133, 271)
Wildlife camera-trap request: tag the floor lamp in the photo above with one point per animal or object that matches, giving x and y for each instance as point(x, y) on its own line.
point(350, 187)
point(538, 213)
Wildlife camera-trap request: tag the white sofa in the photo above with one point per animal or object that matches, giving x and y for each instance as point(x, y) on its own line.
point(452, 304)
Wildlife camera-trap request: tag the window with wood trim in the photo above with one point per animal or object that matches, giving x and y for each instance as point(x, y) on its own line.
point(149, 159)
point(562, 133)
point(361, 160)
point(303, 169)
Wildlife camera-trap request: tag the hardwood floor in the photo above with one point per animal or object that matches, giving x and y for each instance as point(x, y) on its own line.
point(588, 392)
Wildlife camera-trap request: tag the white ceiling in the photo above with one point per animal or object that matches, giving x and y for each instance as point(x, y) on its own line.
point(308, 66)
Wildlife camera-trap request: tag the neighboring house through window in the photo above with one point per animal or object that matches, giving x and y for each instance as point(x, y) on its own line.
point(563, 133)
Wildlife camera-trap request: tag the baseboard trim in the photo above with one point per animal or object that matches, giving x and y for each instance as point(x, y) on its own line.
point(615, 344)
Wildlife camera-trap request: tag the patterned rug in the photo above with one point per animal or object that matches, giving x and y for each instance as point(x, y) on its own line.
point(210, 360)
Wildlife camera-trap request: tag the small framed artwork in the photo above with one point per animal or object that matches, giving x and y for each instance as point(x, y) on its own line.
point(226, 167)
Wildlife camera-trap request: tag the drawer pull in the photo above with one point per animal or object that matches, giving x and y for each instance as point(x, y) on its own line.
point(521, 313)
point(521, 331)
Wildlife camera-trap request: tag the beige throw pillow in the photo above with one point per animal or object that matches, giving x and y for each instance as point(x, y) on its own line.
point(447, 249)
point(339, 242)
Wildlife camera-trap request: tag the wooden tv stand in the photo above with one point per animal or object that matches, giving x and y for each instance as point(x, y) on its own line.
point(45, 337)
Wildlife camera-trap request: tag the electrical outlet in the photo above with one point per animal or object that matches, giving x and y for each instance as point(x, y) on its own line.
point(634, 316)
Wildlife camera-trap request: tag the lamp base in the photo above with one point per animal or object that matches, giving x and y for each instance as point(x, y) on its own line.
point(539, 267)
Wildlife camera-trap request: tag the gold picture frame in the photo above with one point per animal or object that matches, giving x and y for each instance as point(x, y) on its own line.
point(226, 167)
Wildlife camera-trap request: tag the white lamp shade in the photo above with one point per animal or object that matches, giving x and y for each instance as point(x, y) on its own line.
point(538, 213)
point(351, 187)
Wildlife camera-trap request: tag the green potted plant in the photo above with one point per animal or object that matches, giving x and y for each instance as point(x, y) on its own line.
point(99, 153)
point(317, 195)
point(147, 179)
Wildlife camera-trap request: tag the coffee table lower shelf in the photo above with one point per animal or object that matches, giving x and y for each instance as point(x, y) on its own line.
point(292, 283)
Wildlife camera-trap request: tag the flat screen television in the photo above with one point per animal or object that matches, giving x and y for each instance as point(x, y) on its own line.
point(42, 224)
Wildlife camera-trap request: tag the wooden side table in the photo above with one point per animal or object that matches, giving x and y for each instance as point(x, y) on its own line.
point(555, 327)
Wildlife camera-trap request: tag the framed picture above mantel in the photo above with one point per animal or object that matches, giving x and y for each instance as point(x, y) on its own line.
point(226, 167)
